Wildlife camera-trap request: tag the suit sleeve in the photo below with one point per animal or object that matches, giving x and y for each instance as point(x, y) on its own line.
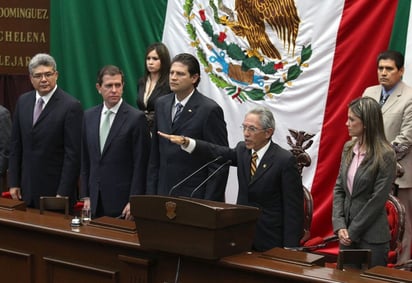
point(215, 132)
point(153, 167)
point(405, 132)
point(5, 130)
point(85, 163)
point(72, 149)
point(339, 195)
point(141, 150)
point(16, 155)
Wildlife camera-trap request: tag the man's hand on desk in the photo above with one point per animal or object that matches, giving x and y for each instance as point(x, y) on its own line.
point(15, 193)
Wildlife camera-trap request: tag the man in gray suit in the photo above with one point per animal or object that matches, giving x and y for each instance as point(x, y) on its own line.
point(5, 130)
point(114, 156)
point(395, 98)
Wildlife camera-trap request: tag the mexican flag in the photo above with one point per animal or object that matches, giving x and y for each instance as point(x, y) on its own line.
point(305, 60)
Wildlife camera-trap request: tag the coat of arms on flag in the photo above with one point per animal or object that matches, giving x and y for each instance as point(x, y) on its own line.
point(249, 50)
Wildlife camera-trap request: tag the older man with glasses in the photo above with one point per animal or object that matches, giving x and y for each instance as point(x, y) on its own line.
point(46, 138)
point(268, 179)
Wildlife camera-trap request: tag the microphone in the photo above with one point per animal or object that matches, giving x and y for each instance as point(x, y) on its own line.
point(192, 174)
point(210, 176)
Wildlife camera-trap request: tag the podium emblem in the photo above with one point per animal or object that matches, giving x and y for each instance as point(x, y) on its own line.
point(170, 209)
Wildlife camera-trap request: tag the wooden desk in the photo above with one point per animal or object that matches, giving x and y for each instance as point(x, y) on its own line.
point(393, 275)
point(44, 248)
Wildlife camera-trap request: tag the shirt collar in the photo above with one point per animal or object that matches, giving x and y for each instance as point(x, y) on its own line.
point(356, 150)
point(114, 109)
point(261, 152)
point(185, 100)
point(389, 92)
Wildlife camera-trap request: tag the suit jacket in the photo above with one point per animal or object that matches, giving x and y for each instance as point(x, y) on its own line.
point(397, 118)
point(5, 130)
point(120, 170)
point(157, 92)
point(201, 118)
point(276, 189)
point(363, 212)
point(45, 157)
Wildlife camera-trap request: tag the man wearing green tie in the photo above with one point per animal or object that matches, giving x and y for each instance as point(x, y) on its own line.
point(115, 151)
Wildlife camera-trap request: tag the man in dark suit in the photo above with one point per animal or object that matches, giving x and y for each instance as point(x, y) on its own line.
point(198, 117)
point(5, 130)
point(270, 181)
point(46, 138)
point(113, 164)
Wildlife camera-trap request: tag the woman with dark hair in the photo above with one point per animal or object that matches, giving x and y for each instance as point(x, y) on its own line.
point(155, 82)
point(367, 171)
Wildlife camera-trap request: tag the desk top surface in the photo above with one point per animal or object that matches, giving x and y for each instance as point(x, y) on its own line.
point(53, 223)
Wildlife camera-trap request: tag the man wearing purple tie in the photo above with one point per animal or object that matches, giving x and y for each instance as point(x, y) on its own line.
point(46, 138)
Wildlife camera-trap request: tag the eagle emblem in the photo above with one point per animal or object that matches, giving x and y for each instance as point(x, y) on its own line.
point(252, 17)
point(248, 47)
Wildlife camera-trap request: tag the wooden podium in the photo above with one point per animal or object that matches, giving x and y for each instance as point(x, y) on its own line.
point(193, 227)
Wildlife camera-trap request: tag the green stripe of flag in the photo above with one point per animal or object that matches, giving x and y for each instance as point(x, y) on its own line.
point(400, 27)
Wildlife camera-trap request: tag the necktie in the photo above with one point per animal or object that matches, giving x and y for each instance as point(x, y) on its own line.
point(384, 97)
point(38, 108)
point(179, 108)
point(105, 128)
point(253, 164)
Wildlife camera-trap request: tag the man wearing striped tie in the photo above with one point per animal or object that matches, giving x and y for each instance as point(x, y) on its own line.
point(268, 179)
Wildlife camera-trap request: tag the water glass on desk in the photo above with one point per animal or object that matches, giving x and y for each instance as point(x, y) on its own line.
point(86, 216)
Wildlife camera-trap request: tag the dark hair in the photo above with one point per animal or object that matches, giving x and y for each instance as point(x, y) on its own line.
point(110, 70)
point(392, 55)
point(164, 57)
point(191, 62)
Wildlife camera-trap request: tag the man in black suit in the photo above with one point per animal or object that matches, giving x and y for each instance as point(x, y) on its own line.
point(46, 138)
point(5, 130)
point(271, 182)
point(113, 165)
point(198, 117)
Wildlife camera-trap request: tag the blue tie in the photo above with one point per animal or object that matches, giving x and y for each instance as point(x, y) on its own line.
point(384, 97)
point(179, 108)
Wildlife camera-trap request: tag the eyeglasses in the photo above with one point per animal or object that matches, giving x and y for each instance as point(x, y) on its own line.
point(251, 129)
point(39, 76)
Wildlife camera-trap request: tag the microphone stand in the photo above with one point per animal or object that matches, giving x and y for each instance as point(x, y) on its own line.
point(194, 173)
point(209, 177)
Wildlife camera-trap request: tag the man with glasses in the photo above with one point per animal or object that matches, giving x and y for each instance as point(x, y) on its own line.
point(46, 136)
point(268, 179)
point(115, 151)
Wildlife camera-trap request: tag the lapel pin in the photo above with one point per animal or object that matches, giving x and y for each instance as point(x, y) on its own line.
point(264, 165)
point(190, 110)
